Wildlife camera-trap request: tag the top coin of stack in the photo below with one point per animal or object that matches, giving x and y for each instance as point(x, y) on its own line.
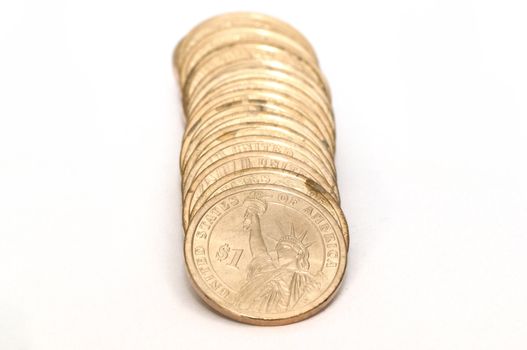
point(265, 238)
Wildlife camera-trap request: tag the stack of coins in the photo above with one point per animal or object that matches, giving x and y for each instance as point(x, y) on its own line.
point(265, 238)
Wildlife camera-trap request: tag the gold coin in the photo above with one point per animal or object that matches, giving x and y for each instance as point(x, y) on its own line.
point(239, 115)
point(302, 104)
point(304, 112)
point(251, 54)
point(235, 20)
point(259, 118)
point(264, 99)
point(259, 79)
point(267, 69)
point(228, 37)
point(243, 160)
point(269, 176)
point(265, 255)
point(246, 33)
point(255, 130)
point(254, 144)
point(247, 70)
point(269, 100)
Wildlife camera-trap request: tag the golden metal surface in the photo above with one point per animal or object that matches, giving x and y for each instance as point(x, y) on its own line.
point(265, 255)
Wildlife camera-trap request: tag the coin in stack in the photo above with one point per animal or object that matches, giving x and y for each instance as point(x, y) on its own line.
point(229, 36)
point(253, 76)
point(257, 129)
point(260, 101)
point(256, 143)
point(316, 107)
point(252, 114)
point(265, 254)
point(251, 55)
point(234, 20)
point(264, 128)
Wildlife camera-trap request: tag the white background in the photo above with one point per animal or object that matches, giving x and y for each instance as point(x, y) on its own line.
point(431, 105)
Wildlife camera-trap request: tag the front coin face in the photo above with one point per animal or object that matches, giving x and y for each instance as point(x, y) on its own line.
point(265, 254)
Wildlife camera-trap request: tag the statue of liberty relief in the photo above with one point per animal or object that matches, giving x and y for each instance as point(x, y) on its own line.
point(274, 285)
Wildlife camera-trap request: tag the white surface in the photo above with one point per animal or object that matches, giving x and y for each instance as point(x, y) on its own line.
point(431, 104)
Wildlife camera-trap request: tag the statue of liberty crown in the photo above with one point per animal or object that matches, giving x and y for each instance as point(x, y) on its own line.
point(297, 241)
